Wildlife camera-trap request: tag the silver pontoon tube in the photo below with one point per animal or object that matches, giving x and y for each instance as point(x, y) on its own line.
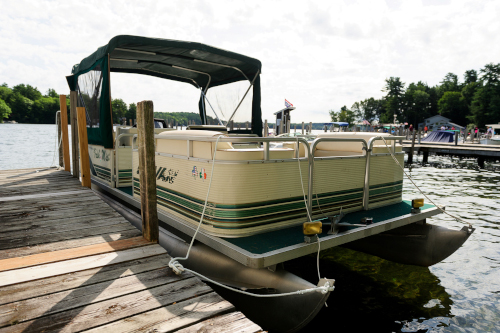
point(277, 314)
point(419, 243)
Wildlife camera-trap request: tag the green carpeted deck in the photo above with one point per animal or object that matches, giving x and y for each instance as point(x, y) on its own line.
point(275, 240)
point(127, 190)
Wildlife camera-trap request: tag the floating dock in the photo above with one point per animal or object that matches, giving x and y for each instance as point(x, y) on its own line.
point(70, 263)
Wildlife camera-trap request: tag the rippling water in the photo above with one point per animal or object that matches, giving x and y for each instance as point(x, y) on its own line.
point(28, 146)
point(460, 294)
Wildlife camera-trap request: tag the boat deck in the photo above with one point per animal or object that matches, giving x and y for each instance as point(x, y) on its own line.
point(68, 263)
point(274, 247)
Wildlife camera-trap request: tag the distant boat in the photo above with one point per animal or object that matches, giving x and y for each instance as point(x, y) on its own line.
point(494, 139)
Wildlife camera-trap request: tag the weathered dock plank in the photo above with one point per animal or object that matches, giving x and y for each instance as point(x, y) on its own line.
point(68, 263)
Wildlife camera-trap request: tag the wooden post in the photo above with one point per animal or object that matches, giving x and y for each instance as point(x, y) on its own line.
point(480, 162)
point(426, 157)
point(410, 154)
point(75, 152)
point(246, 125)
point(59, 134)
point(295, 128)
point(64, 127)
point(310, 127)
point(419, 136)
point(302, 128)
point(84, 147)
point(130, 122)
point(147, 170)
point(266, 129)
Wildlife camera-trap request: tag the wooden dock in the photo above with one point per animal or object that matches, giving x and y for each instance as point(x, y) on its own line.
point(481, 152)
point(70, 263)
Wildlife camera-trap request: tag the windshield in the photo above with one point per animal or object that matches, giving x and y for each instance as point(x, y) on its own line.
point(223, 100)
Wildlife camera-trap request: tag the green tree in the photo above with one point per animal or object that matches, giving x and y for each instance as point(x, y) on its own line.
point(485, 105)
point(27, 91)
point(6, 93)
point(449, 83)
point(452, 105)
point(344, 115)
point(120, 109)
point(5, 110)
point(490, 74)
point(21, 108)
point(470, 76)
point(131, 112)
point(51, 93)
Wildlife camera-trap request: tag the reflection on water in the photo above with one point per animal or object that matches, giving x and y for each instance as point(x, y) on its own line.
point(459, 294)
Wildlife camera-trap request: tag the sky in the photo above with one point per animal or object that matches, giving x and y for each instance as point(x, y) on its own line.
point(319, 55)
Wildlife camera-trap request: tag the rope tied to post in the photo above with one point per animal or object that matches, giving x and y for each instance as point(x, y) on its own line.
point(178, 268)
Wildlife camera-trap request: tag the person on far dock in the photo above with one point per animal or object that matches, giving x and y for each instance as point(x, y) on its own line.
point(411, 127)
point(425, 129)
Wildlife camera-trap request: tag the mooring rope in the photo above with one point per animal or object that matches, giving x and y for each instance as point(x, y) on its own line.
point(418, 188)
point(178, 268)
point(56, 148)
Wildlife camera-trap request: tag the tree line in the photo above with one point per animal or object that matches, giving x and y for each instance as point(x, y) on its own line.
point(24, 103)
point(473, 102)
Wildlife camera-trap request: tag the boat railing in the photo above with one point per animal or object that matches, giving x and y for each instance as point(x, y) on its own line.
point(117, 151)
point(367, 147)
point(366, 187)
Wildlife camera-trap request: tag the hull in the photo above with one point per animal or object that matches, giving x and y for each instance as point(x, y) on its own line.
point(419, 244)
point(253, 197)
point(278, 314)
point(492, 141)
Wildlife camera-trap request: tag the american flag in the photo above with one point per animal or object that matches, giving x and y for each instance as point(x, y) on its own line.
point(288, 104)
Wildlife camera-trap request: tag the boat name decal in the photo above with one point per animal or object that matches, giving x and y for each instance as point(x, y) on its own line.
point(166, 175)
point(100, 154)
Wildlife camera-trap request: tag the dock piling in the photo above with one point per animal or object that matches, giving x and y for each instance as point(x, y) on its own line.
point(64, 127)
point(59, 134)
point(84, 147)
point(147, 169)
point(410, 153)
point(75, 152)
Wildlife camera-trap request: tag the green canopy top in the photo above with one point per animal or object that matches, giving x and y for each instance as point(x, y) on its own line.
point(198, 64)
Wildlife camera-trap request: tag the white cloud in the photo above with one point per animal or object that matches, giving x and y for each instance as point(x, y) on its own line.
point(319, 55)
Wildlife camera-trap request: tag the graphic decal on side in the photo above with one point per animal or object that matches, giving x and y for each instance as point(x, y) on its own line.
point(199, 174)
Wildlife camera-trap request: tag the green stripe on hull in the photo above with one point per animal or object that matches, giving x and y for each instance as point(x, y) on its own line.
point(250, 215)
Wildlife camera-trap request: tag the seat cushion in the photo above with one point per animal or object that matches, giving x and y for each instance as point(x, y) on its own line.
point(252, 154)
point(329, 153)
point(201, 149)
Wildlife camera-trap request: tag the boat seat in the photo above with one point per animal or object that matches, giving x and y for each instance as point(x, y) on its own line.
point(324, 149)
point(127, 141)
point(293, 145)
point(250, 154)
point(225, 150)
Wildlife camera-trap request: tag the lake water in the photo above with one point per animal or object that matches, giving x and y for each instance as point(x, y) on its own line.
point(460, 294)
